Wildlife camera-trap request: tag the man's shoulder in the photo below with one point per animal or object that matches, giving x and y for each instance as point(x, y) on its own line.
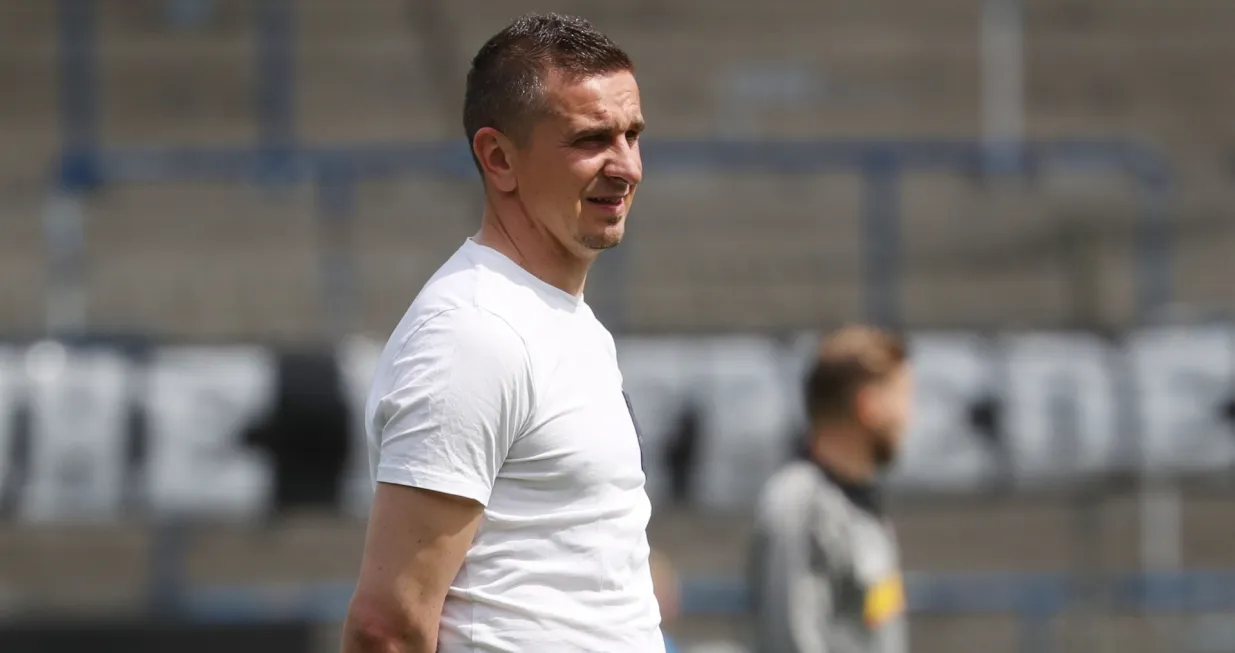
point(799, 489)
point(787, 488)
point(452, 326)
point(453, 285)
point(432, 350)
point(475, 279)
point(795, 476)
point(448, 315)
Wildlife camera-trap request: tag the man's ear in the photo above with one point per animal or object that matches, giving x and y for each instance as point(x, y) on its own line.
point(497, 157)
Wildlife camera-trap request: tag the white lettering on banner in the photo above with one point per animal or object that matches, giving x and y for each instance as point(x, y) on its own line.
point(747, 425)
point(358, 360)
point(1184, 376)
point(1070, 406)
point(1061, 412)
point(80, 408)
point(200, 402)
point(660, 377)
point(942, 449)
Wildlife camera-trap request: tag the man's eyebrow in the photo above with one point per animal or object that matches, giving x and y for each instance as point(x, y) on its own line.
point(605, 129)
point(590, 131)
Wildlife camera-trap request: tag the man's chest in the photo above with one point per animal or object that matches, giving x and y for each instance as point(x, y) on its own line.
point(582, 434)
point(860, 565)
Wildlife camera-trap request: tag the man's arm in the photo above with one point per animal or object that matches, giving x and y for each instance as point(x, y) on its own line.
point(413, 549)
point(453, 402)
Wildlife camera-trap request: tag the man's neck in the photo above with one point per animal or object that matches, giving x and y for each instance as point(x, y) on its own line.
point(533, 250)
point(844, 454)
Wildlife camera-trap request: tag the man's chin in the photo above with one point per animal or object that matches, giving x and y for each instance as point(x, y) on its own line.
point(598, 244)
point(608, 239)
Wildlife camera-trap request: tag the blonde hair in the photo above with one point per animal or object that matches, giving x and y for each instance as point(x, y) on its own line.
point(847, 360)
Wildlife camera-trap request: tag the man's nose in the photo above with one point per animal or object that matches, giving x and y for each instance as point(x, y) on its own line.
point(626, 164)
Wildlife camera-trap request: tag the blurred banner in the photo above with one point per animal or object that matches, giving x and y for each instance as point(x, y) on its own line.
point(97, 432)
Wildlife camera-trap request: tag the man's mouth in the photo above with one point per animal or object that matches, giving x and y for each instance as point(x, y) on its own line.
point(614, 200)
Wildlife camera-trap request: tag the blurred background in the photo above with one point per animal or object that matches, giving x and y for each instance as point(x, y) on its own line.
point(213, 212)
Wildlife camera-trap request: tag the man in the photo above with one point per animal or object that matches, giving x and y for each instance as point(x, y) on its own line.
point(510, 512)
point(824, 565)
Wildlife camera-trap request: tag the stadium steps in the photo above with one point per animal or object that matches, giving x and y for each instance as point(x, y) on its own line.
point(746, 251)
point(368, 91)
point(29, 123)
point(765, 88)
point(787, 251)
point(365, 74)
point(1143, 15)
point(358, 75)
point(221, 261)
point(80, 568)
point(23, 265)
point(299, 549)
point(705, 13)
point(204, 261)
point(827, 71)
point(173, 90)
point(25, 25)
point(1201, 275)
point(403, 231)
point(1054, 532)
point(692, 260)
point(105, 567)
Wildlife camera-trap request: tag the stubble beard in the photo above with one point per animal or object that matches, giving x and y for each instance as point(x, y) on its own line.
point(602, 241)
point(883, 450)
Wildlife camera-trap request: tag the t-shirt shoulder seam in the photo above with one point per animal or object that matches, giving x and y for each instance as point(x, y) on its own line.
point(527, 352)
point(412, 332)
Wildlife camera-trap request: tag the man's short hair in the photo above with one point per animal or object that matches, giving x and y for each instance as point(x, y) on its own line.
point(505, 86)
point(847, 360)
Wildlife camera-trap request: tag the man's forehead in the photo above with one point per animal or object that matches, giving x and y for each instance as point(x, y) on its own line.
point(608, 100)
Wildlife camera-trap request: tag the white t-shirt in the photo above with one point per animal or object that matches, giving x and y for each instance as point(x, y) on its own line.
point(501, 388)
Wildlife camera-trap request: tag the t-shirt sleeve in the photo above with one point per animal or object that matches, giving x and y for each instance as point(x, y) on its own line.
point(458, 395)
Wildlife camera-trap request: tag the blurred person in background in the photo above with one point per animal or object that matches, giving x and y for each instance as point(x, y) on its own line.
point(824, 563)
point(510, 512)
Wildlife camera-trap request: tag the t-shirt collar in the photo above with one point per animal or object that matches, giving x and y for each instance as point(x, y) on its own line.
point(865, 495)
point(551, 293)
